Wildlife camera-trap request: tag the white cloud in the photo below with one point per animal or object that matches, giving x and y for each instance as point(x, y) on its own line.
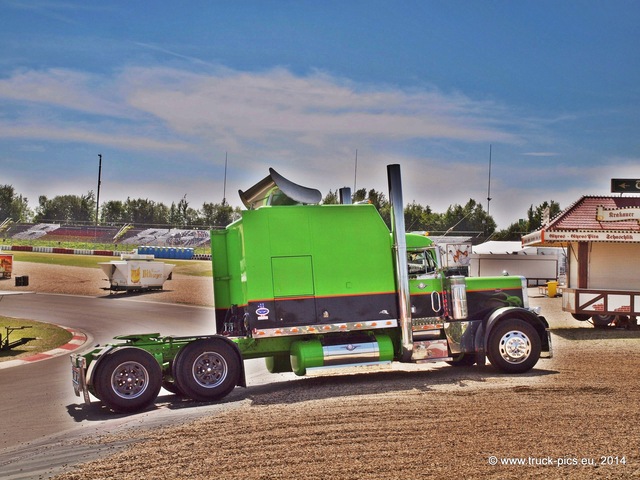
point(541, 154)
point(116, 138)
point(67, 89)
point(273, 111)
point(307, 127)
point(269, 106)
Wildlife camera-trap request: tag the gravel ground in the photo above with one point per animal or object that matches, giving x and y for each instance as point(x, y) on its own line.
point(574, 416)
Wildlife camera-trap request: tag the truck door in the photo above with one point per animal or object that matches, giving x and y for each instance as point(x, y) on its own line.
point(293, 290)
point(425, 284)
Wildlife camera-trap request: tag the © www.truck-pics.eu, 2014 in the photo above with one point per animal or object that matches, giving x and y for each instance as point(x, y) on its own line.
point(308, 286)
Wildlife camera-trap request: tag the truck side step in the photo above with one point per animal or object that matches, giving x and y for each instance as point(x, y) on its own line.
point(430, 350)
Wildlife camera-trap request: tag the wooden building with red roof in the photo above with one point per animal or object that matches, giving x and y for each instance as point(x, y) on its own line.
point(602, 238)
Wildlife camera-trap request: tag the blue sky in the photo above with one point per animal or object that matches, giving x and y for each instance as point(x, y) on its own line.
point(164, 90)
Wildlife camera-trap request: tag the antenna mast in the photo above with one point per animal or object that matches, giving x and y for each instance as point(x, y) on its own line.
point(489, 188)
point(224, 188)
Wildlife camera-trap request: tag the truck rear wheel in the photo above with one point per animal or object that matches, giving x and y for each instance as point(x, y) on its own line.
point(127, 380)
point(514, 346)
point(207, 370)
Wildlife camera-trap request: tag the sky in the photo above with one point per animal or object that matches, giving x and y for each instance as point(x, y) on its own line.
point(328, 93)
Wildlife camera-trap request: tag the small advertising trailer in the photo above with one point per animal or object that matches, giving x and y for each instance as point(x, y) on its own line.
point(135, 272)
point(6, 265)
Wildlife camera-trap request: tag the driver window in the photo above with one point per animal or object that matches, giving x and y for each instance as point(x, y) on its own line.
point(420, 263)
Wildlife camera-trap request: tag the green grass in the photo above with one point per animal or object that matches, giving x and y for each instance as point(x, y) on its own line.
point(198, 268)
point(79, 244)
point(47, 337)
point(89, 261)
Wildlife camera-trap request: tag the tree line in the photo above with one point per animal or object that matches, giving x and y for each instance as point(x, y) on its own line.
point(81, 209)
point(470, 219)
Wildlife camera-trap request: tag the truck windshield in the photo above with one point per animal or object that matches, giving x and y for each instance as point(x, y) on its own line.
point(420, 263)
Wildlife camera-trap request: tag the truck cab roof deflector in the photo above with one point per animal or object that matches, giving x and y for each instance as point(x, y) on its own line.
point(277, 190)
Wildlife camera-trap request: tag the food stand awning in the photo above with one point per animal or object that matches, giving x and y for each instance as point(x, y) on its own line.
point(592, 219)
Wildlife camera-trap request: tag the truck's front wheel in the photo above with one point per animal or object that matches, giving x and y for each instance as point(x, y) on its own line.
point(514, 346)
point(207, 370)
point(127, 380)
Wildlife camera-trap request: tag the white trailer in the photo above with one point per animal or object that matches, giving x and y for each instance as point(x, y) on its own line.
point(134, 272)
point(535, 264)
point(532, 267)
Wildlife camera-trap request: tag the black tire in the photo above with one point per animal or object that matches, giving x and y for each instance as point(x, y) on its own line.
point(207, 370)
point(602, 321)
point(128, 380)
point(581, 317)
point(514, 346)
point(463, 360)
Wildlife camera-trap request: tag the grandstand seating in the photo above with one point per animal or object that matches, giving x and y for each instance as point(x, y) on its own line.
point(83, 234)
point(30, 231)
point(169, 237)
point(161, 237)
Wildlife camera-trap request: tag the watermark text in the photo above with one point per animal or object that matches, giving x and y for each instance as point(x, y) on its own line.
point(567, 461)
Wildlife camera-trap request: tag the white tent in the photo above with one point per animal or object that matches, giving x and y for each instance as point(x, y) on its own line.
point(503, 248)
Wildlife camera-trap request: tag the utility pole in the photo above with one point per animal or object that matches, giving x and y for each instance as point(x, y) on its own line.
point(99, 182)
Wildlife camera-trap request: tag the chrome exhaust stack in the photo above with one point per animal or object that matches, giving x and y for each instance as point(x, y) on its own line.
point(400, 256)
point(345, 196)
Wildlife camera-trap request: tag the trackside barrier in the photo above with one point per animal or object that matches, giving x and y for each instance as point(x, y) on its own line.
point(69, 251)
point(178, 253)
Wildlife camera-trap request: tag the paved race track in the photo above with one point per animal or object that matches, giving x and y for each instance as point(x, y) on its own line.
point(37, 399)
point(38, 408)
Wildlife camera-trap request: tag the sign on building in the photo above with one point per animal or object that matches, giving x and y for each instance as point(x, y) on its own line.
point(625, 185)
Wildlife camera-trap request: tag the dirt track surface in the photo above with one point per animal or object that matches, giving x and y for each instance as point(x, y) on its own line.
point(574, 416)
point(44, 278)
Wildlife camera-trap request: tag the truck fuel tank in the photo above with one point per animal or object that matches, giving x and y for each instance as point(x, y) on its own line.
point(458, 296)
point(363, 350)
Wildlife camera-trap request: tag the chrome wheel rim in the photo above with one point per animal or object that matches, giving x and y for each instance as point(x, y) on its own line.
point(129, 380)
point(210, 369)
point(515, 347)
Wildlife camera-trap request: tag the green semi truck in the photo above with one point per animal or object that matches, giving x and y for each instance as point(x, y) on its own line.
point(308, 286)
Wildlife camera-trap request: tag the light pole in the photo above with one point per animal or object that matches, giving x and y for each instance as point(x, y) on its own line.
point(99, 182)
